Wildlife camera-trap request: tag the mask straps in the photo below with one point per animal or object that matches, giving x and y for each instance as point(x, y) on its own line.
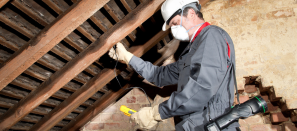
point(181, 17)
point(194, 27)
point(182, 21)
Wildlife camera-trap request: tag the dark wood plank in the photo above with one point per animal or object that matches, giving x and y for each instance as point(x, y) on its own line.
point(83, 60)
point(46, 40)
point(18, 23)
point(109, 98)
point(91, 87)
point(117, 14)
point(34, 10)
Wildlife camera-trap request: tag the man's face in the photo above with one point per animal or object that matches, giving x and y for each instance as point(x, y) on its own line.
point(188, 22)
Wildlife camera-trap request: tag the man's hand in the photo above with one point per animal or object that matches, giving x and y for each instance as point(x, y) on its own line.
point(147, 117)
point(121, 53)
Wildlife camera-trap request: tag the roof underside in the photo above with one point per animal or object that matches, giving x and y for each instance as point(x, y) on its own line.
point(55, 72)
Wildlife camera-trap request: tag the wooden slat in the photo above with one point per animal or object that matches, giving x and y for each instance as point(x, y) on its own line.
point(14, 43)
point(107, 99)
point(61, 6)
point(82, 61)
point(58, 6)
point(92, 86)
point(43, 17)
point(8, 103)
point(104, 24)
point(18, 94)
point(18, 23)
point(46, 40)
point(130, 5)
point(3, 2)
point(98, 107)
point(4, 55)
point(10, 40)
point(35, 11)
point(116, 13)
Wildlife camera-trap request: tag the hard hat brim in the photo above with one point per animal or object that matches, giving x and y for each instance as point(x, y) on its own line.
point(165, 26)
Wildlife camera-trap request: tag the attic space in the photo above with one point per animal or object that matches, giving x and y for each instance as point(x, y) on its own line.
point(56, 75)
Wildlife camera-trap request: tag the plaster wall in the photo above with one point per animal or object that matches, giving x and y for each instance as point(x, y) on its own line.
point(265, 36)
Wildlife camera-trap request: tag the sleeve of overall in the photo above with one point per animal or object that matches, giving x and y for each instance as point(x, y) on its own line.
point(159, 76)
point(204, 80)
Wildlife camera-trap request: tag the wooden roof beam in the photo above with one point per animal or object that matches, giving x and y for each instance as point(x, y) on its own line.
point(109, 98)
point(91, 87)
point(79, 63)
point(3, 2)
point(47, 39)
point(93, 111)
point(43, 17)
point(60, 8)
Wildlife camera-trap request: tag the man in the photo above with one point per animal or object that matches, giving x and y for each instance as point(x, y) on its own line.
point(204, 71)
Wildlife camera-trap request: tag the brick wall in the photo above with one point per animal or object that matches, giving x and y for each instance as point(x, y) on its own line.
point(264, 34)
point(276, 118)
point(112, 119)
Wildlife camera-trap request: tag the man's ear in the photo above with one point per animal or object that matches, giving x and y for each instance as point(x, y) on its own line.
point(191, 13)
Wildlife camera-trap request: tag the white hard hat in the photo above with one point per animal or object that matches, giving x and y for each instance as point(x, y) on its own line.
point(170, 7)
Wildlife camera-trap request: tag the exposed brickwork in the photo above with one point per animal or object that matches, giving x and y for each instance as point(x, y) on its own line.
point(289, 127)
point(278, 117)
point(131, 99)
point(242, 99)
point(271, 108)
point(265, 97)
point(112, 119)
point(250, 88)
point(264, 36)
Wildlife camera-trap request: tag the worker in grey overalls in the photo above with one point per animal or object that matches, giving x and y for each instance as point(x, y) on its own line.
point(203, 72)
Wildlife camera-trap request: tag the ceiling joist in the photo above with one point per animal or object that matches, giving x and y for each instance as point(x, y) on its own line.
point(59, 30)
point(111, 97)
point(3, 2)
point(85, 92)
point(47, 39)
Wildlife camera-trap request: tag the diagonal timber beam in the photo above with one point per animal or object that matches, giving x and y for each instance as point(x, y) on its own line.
point(79, 63)
point(93, 111)
point(89, 89)
point(47, 39)
point(109, 98)
point(3, 2)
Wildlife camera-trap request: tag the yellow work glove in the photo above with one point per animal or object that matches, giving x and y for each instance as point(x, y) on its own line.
point(121, 53)
point(147, 117)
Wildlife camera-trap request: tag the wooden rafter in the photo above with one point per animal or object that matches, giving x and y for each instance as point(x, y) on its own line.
point(47, 39)
point(3, 2)
point(82, 61)
point(108, 99)
point(90, 88)
point(98, 107)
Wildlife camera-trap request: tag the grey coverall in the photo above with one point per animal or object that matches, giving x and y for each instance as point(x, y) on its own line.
point(204, 77)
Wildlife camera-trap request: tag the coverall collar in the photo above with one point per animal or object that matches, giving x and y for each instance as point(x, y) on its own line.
point(200, 29)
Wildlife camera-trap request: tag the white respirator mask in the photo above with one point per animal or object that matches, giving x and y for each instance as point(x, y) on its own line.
point(179, 32)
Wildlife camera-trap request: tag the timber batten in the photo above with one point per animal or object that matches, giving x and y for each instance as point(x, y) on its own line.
point(66, 77)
